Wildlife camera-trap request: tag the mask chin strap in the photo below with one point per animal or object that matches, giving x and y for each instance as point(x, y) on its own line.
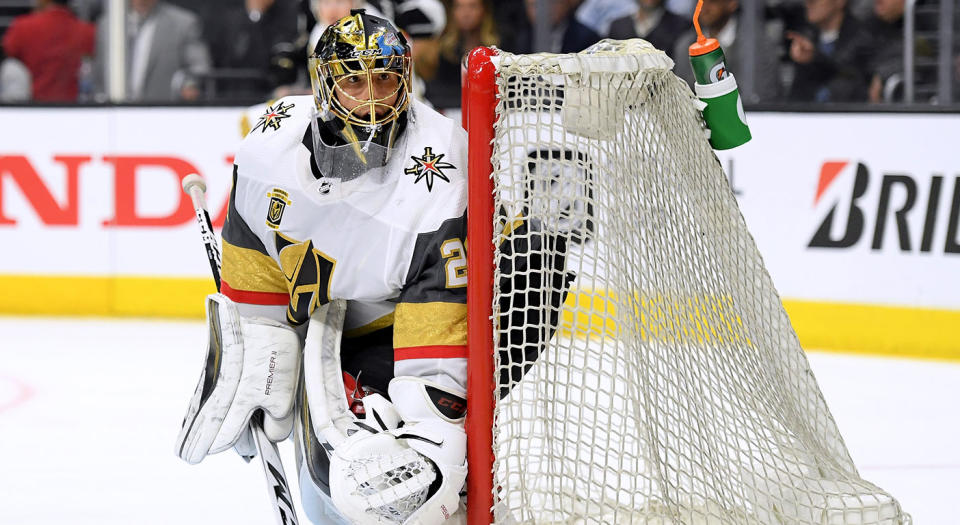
point(362, 147)
point(373, 131)
point(354, 142)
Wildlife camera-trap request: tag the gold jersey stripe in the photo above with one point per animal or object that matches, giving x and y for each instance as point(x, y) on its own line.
point(429, 324)
point(249, 270)
point(369, 328)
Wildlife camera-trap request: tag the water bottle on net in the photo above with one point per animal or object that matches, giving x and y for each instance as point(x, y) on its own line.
point(717, 88)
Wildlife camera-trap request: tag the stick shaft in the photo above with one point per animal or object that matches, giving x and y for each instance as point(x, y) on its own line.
point(283, 509)
point(206, 232)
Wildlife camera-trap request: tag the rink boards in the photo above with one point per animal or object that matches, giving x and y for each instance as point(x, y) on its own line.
point(856, 217)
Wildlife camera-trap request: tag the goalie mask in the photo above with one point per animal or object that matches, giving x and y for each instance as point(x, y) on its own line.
point(360, 72)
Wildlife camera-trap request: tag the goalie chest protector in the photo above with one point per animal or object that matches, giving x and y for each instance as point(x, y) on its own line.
point(363, 234)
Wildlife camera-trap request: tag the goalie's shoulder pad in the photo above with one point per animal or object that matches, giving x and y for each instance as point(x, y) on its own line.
point(274, 134)
point(430, 198)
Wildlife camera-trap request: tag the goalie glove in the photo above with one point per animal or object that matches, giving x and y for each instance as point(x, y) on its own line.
point(413, 474)
point(379, 472)
point(251, 364)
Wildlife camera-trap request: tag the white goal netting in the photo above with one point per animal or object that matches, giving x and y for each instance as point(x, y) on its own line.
point(670, 387)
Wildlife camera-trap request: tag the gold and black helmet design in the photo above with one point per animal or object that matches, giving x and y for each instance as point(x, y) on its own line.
point(360, 71)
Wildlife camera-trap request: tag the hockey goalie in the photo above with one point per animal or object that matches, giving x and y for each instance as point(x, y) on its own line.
point(342, 312)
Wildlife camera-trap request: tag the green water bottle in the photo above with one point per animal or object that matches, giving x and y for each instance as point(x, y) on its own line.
point(717, 88)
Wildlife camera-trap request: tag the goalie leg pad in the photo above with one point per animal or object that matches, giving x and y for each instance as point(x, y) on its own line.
point(251, 364)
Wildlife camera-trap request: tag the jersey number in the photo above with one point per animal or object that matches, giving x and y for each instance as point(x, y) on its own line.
point(456, 267)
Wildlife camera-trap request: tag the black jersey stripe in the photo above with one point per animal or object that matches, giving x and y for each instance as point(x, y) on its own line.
point(235, 229)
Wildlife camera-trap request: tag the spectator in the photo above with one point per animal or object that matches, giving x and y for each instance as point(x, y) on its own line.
point(88, 10)
point(719, 19)
point(886, 21)
point(653, 23)
point(165, 53)
point(51, 43)
point(510, 17)
point(471, 25)
point(263, 38)
point(14, 81)
point(683, 8)
point(956, 77)
point(567, 34)
point(886, 25)
point(599, 14)
point(832, 57)
point(421, 19)
point(327, 12)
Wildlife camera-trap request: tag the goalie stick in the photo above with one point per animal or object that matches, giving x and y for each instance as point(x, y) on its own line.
point(279, 490)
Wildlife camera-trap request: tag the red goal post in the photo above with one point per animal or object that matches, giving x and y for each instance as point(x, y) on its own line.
point(479, 97)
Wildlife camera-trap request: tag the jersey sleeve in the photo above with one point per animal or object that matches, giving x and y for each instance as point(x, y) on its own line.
point(430, 321)
point(250, 277)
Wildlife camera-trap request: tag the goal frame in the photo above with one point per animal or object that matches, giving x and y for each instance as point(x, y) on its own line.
point(479, 100)
point(729, 442)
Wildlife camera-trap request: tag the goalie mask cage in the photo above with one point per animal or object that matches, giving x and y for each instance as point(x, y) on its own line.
point(630, 359)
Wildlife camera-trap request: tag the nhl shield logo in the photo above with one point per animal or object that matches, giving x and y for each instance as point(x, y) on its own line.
point(278, 202)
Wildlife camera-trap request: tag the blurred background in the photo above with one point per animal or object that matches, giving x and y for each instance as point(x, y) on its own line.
point(850, 187)
point(803, 52)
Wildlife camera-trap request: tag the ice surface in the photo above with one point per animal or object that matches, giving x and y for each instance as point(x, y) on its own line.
point(90, 409)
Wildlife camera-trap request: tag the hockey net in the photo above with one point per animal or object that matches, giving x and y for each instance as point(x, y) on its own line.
point(631, 361)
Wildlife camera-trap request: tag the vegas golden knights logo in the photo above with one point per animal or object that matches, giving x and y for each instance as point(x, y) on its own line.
point(309, 273)
point(278, 203)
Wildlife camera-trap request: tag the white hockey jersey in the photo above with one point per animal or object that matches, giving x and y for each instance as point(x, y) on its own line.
point(392, 244)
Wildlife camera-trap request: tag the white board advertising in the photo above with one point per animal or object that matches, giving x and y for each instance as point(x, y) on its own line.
point(844, 207)
point(854, 207)
point(97, 191)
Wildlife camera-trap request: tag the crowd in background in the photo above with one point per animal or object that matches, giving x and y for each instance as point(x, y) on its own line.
point(811, 51)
